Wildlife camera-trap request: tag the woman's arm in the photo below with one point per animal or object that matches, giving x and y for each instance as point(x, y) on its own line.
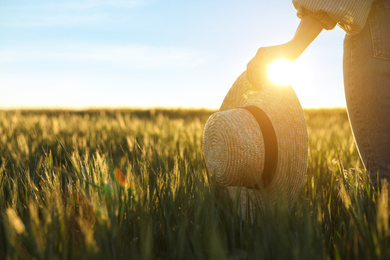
point(308, 29)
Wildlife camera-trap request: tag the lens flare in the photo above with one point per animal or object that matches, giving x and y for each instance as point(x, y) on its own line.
point(280, 72)
point(120, 177)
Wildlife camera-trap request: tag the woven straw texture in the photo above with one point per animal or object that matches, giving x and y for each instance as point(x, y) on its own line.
point(222, 152)
point(230, 148)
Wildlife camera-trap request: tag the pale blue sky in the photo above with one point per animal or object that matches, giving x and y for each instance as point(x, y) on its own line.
point(148, 53)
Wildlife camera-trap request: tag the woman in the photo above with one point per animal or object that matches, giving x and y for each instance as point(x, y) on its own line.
point(366, 67)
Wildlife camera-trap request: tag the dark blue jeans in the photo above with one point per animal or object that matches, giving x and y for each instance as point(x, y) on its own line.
point(367, 90)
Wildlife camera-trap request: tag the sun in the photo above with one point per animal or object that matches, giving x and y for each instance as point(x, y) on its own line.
point(281, 72)
point(297, 74)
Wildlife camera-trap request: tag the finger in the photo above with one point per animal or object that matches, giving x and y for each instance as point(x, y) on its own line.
point(254, 71)
point(256, 65)
point(252, 77)
point(260, 51)
point(249, 72)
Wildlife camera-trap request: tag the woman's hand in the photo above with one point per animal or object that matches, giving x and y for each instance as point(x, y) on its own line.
point(257, 68)
point(307, 31)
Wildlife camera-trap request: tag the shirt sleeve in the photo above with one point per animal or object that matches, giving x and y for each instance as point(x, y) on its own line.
point(350, 15)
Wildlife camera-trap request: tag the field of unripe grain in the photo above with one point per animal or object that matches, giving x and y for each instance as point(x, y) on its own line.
point(132, 184)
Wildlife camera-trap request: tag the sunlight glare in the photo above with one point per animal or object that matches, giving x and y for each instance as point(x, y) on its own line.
point(297, 74)
point(280, 72)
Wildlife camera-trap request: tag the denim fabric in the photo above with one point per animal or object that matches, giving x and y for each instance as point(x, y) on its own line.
point(367, 90)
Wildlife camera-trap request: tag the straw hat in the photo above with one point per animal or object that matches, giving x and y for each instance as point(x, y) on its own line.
point(257, 144)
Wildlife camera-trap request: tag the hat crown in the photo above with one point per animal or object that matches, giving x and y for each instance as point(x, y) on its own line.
point(234, 148)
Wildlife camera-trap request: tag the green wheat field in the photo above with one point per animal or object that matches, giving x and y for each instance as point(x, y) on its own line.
point(133, 184)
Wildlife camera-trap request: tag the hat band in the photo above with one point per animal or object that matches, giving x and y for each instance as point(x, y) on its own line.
point(270, 144)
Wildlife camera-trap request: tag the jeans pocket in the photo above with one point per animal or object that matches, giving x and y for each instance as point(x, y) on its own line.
point(380, 30)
